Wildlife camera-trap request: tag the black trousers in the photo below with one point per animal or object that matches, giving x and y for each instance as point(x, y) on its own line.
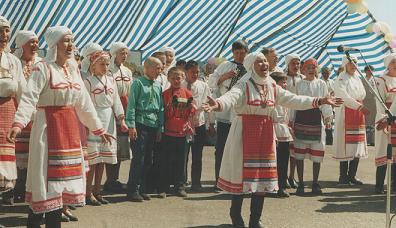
point(381, 173)
point(197, 146)
point(222, 134)
point(142, 158)
point(172, 160)
point(282, 162)
point(153, 179)
point(329, 136)
point(52, 219)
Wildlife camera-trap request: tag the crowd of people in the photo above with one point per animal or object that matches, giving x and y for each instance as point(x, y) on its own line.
point(65, 122)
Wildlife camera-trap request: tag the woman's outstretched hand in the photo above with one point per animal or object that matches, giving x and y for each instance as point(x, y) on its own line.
point(333, 101)
point(211, 105)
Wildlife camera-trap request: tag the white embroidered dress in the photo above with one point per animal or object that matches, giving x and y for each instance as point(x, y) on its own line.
point(51, 86)
point(104, 94)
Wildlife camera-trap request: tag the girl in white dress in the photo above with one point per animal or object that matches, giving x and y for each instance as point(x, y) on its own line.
point(104, 94)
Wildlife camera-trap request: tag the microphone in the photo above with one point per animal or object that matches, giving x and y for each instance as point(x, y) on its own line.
point(343, 48)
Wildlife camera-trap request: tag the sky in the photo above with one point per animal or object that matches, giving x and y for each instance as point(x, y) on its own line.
point(384, 10)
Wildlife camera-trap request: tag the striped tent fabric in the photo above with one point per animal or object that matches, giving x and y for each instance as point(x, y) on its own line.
point(200, 29)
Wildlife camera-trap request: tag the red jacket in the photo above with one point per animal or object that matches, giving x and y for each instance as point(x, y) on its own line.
point(179, 110)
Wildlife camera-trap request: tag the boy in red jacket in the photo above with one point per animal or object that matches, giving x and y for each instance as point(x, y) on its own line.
point(178, 111)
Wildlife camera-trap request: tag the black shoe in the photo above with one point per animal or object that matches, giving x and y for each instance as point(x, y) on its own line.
point(216, 189)
point(145, 196)
point(135, 197)
point(72, 208)
point(114, 187)
point(379, 189)
point(282, 193)
point(256, 224)
point(181, 193)
point(287, 185)
point(92, 201)
point(316, 189)
point(355, 181)
point(71, 217)
point(292, 182)
point(196, 188)
point(343, 181)
point(300, 190)
point(101, 199)
point(64, 218)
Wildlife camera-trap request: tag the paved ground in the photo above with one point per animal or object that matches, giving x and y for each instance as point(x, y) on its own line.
point(338, 207)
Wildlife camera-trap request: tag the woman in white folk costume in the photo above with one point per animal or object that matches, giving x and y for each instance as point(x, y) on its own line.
point(386, 85)
point(350, 131)
point(12, 84)
point(249, 160)
point(86, 53)
point(27, 47)
point(123, 78)
point(309, 127)
point(292, 62)
point(55, 172)
point(170, 58)
point(103, 90)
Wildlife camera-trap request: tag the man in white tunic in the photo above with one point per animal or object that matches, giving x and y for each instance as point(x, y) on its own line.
point(221, 81)
point(272, 57)
point(350, 131)
point(369, 102)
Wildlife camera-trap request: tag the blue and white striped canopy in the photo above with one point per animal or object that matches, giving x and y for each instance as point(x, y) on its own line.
point(200, 29)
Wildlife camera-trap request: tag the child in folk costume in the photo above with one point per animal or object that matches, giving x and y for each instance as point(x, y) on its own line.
point(123, 78)
point(293, 63)
point(55, 171)
point(178, 111)
point(200, 91)
point(104, 94)
point(283, 136)
point(27, 46)
point(86, 53)
point(309, 127)
point(249, 162)
point(12, 84)
point(350, 131)
point(387, 91)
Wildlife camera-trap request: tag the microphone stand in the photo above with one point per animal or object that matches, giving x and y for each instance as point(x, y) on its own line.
point(390, 119)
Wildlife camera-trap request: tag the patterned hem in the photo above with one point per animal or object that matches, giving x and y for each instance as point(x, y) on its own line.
point(247, 187)
point(55, 203)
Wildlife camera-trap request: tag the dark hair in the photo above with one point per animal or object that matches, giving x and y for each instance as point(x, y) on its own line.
point(240, 44)
point(190, 64)
point(267, 50)
point(325, 69)
point(175, 69)
point(278, 76)
point(181, 63)
point(158, 54)
point(369, 67)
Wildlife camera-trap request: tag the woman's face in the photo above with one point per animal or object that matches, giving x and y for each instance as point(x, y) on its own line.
point(5, 33)
point(121, 55)
point(31, 47)
point(65, 47)
point(392, 68)
point(169, 57)
point(310, 71)
point(350, 68)
point(101, 66)
point(294, 66)
point(261, 66)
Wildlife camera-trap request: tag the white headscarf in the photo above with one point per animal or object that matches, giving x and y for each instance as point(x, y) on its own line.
point(345, 61)
point(249, 60)
point(52, 37)
point(21, 38)
point(88, 50)
point(289, 58)
point(5, 23)
point(114, 48)
point(170, 49)
point(388, 59)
